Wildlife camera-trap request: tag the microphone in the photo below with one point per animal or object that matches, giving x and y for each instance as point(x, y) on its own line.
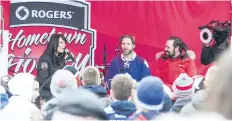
point(121, 70)
point(69, 55)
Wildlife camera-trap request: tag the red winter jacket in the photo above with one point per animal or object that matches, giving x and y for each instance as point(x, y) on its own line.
point(168, 69)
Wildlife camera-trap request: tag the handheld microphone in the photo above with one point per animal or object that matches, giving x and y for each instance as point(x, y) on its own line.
point(69, 55)
point(121, 70)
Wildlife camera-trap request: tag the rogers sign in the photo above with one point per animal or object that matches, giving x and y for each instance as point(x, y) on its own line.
point(42, 14)
point(32, 23)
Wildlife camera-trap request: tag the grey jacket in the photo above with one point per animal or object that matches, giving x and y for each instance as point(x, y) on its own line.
point(195, 105)
point(179, 104)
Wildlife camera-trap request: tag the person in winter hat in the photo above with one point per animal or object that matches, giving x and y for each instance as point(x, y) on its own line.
point(183, 89)
point(85, 106)
point(149, 98)
point(24, 89)
point(75, 72)
point(62, 81)
point(121, 90)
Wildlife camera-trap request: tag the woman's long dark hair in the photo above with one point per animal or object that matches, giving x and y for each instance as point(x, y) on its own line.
point(52, 49)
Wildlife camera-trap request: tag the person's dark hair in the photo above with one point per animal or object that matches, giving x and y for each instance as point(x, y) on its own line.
point(178, 43)
point(128, 36)
point(52, 48)
point(72, 69)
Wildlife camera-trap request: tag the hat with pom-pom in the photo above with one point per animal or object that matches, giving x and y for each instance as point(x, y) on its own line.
point(183, 86)
point(62, 81)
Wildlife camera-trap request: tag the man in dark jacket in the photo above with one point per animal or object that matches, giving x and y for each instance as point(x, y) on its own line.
point(209, 54)
point(221, 34)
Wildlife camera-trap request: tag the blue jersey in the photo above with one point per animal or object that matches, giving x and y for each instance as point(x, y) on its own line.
point(137, 67)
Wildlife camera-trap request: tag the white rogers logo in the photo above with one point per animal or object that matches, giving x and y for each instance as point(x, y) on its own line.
point(52, 14)
point(42, 14)
point(18, 10)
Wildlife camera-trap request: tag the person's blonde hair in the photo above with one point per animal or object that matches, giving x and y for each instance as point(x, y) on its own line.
point(90, 76)
point(121, 86)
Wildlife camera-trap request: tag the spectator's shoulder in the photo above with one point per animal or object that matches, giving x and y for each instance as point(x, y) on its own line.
point(109, 110)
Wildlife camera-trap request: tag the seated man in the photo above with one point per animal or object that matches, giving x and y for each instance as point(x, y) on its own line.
point(176, 60)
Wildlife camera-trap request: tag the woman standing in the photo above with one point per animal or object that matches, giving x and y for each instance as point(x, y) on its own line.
point(52, 59)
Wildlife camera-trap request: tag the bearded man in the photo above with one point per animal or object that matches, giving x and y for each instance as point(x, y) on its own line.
point(128, 62)
point(175, 59)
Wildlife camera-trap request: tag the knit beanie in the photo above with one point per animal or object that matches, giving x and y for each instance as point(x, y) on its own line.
point(183, 86)
point(62, 81)
point(150, 93)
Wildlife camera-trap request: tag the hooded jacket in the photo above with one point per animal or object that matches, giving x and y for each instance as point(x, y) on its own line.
point(62, 81)
point(168, 69)
point(120, 110)
point(20, 106)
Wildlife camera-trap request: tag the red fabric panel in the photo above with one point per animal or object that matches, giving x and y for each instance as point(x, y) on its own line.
point(153, 22)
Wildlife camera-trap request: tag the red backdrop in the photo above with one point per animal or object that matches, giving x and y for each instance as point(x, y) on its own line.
point(151, 23)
